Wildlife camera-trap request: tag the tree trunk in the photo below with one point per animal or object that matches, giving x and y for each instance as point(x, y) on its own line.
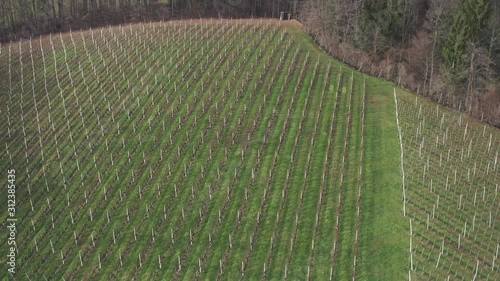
point(375, 39)
point(33, 5)
point(72, 8)
point(274, 2)
point(85, 6)
point(61, 12)
point(12, 21)
point(432, 64)
point(426, 75)
point(494, 37)
point(4, 18)
point(470, 84)
point(54, 15)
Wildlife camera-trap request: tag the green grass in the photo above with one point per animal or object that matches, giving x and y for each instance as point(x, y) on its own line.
point(161, 126)
point(382, 191)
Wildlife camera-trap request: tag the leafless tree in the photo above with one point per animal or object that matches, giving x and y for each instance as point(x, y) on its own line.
point(438, 10)
point(417, 57)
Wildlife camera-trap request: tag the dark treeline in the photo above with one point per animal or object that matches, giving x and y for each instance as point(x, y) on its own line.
point(448, 50)
point(25, 18)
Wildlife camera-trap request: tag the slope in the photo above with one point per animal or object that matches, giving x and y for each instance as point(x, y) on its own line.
point(207, 149)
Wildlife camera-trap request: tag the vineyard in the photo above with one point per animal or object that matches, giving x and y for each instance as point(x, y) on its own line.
point(450, 192)
point(235, 149)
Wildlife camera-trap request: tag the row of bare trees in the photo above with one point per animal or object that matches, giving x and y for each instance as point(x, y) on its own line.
point(24, 18)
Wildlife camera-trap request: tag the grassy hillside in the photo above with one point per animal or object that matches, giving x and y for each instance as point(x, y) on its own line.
point(217, 150)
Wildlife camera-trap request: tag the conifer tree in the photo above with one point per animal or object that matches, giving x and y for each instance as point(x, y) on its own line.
point(466, 28)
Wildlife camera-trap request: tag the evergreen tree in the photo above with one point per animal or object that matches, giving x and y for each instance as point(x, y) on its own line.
point(466, 28)
point(368, 21)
